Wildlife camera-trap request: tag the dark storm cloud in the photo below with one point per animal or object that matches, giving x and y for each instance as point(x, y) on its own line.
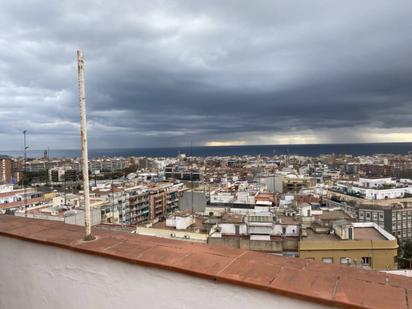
point(162, 73)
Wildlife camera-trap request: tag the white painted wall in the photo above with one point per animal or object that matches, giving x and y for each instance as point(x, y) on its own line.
point(380, 194)
point(39, 276)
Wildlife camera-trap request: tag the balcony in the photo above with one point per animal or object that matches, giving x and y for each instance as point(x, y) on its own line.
point(44, 264)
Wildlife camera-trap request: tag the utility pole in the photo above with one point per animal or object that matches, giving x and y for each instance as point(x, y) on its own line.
point(24, 172)
point(85, 160)
point(112, 198)
point(191, 174)
point(65, 188)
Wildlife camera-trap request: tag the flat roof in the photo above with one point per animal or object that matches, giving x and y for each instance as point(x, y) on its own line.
point(313, 236)
point(333, 215)
point(368, 233)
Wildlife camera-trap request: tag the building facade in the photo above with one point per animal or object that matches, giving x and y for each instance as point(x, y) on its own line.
point(364, 245)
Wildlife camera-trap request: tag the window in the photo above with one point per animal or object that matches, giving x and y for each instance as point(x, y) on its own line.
point(345, 261)
point(327, 260)
point(381, 216)
point(366, 261)
point(368, 215)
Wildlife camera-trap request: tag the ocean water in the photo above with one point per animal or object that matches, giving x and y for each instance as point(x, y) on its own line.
point(265, 150)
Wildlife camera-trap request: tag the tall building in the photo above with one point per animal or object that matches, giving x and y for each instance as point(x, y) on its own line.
point(10, 170)
point(5, 170)
point(137, 205)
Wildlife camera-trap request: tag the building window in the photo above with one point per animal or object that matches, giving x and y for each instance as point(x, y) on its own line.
point(381, 216)
point(327, 260)
point(366, 261)
point(368, 215)
point(345, 261)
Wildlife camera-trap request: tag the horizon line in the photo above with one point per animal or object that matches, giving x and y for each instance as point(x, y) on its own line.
point(205, 146)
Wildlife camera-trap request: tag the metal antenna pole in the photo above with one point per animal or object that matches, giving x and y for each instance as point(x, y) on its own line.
point(191, 173)
point(85, 160)
point(112, 198)
point(25, 172)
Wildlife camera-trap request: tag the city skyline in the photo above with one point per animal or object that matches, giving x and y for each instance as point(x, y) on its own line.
point(165, 74)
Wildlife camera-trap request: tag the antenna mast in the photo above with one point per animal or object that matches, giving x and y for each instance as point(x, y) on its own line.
point(25, 173)
point(85, 160)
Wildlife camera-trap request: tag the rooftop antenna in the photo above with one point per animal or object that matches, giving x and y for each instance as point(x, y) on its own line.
point(112, 198)
point(83, 129)
point(191, 173)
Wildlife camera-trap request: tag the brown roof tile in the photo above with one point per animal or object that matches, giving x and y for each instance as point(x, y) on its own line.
point(317, 282)
point(369, 294)
point(307, 283)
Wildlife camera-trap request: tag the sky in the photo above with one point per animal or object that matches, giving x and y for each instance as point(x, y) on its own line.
point(232, 72)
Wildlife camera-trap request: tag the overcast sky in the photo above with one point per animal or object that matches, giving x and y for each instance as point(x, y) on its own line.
point(163, 73)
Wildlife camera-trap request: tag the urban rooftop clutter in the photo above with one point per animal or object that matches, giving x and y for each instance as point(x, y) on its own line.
point(233, 154)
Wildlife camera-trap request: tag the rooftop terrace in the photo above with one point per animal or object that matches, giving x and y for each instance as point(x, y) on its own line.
point(299, 279)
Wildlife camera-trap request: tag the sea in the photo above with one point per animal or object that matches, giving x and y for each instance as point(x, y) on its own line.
point(203, 151)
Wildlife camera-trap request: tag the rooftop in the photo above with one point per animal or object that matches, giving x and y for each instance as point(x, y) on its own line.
point(368, 233)
point(362, 231)
point(313, 236)
point(333, 215)
point(296, 278)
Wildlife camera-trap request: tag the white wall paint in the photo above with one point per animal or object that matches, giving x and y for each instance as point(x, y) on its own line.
point(40, 276)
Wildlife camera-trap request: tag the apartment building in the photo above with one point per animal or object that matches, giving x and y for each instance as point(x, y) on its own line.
point(15, 199)
point(10, 170)
point(255, 230)
point(284, 183)
point(137, 205)
point(183, 172)
point(393, 215)
point(364, 245)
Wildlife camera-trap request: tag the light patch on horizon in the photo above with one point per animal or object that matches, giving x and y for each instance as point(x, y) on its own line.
point(399, 135)
point(225, 143)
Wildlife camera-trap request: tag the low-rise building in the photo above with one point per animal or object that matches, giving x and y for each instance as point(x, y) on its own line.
point(354, 244)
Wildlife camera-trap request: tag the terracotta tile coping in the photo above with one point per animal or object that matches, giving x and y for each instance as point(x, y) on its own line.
point(307, 280)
